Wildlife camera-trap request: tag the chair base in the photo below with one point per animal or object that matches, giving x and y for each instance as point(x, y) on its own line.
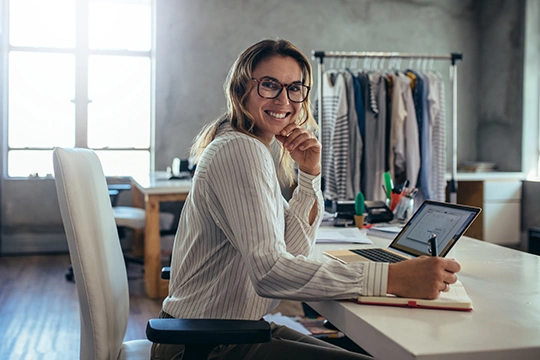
point(69, 274)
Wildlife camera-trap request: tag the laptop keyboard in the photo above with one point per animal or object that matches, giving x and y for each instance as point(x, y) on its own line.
point(378, 255)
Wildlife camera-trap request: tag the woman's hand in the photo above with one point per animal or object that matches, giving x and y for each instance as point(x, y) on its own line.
point(303, 146)
point(423, 277)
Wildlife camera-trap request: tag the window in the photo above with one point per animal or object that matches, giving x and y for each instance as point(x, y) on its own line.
point(79, 74)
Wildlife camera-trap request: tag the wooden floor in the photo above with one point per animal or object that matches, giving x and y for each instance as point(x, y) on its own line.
point(39, 309)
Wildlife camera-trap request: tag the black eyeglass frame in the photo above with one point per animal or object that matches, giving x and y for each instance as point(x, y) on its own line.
point(280, 90)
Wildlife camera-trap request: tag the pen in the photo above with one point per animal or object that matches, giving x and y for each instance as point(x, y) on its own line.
point(433, 245)
point(388, 184)
point(413, 193)
point(405, 186)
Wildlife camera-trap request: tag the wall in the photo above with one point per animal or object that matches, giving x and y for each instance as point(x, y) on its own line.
point(531, 89)
point(501, 83)
point(1, 109)
point(197, 41)
point(530, 206)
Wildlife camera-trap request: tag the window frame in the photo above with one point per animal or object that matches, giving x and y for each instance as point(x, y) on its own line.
point(81, 53)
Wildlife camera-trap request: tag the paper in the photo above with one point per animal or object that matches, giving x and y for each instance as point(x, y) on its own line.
point(279, 319)
point(328, 219)
point(337, 235)
point(387, 232)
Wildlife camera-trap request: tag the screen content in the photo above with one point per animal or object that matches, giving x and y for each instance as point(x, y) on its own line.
point(445, 222)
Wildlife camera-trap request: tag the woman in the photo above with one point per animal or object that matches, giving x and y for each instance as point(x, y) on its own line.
point(240, 245)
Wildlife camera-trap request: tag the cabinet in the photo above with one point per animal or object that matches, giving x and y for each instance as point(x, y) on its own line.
point(500, 200)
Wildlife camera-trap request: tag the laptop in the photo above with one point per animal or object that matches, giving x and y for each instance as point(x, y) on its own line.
point(446, 221)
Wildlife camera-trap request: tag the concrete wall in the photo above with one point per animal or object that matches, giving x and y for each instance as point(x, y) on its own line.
point(197, 41)
point(2, 124)
point(500, 120)
point(531, 88)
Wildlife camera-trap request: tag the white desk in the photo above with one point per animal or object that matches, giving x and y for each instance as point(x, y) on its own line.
point(504, 286)
point(148, 192)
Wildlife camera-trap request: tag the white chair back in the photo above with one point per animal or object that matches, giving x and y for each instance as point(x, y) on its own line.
point(95, 252)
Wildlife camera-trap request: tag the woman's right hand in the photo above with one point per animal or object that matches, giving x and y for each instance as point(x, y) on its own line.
point(303, 146)
point(423, 277)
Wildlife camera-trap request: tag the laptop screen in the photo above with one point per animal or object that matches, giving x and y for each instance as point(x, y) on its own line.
point(447, 221)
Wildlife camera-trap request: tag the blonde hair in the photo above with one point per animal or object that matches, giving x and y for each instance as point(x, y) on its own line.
point(236, 91)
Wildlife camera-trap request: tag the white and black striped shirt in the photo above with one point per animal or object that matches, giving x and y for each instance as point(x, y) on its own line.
point(240, 244)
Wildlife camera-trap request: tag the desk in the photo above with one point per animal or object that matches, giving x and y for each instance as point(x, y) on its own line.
point(504, 286)
point(148, 192)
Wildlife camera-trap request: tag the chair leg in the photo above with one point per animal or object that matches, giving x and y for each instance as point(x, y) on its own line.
point(69, 274)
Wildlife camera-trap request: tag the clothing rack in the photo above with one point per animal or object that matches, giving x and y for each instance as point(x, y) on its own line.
point(452, 57)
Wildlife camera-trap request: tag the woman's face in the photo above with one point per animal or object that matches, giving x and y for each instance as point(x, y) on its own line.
point(272, 115)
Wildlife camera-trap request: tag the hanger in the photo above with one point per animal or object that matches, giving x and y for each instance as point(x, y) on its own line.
point(354, 62)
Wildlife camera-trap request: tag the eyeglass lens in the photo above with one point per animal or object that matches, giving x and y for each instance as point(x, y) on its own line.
point(271, 89)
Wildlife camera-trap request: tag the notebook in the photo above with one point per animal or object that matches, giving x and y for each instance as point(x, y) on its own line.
point(447, 221)
point(455, 299)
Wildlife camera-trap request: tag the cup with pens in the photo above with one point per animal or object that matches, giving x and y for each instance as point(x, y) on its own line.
point(400, 199)
point(404, 208)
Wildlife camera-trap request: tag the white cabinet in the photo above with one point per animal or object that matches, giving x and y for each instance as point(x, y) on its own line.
point(500, 200)
point(502, 212)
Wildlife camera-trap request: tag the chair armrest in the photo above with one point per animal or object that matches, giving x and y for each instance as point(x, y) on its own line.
point(207, 331)
point(166, 273)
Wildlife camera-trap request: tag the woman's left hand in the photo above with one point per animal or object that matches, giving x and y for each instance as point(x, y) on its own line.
point(303, 146)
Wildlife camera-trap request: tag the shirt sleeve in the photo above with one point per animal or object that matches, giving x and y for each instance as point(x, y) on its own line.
point(249, 210)
point(299, 234)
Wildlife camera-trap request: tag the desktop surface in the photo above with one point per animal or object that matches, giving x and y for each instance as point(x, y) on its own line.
point(504, 286)
point(158, 183)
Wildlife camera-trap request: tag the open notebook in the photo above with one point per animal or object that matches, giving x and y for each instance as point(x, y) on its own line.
point(455, 298)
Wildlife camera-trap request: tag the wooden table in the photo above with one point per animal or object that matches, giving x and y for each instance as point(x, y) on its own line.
point(148, 192)
point(504, 285)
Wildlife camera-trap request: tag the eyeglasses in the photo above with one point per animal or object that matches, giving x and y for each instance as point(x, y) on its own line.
point(270, 89)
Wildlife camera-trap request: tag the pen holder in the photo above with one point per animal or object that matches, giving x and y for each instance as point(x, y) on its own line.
point(359, 220)
point(404, 209)
point(394, 201)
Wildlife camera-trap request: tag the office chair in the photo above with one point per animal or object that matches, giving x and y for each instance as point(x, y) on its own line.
point(101, 280)
point(129, 217)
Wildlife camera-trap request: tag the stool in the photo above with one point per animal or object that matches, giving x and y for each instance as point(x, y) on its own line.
point(134, 218)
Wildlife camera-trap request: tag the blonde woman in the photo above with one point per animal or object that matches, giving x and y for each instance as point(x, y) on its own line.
point(240, 246)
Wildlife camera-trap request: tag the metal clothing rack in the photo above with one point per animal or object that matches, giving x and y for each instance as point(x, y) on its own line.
point(452, 57)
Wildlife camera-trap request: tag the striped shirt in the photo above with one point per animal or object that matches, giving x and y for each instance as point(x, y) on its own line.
point(241, 246)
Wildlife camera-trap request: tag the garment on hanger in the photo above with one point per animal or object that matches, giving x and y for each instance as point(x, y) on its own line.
point(355, 114)
point(334, 135)
point(375, 137)
point(437, 109)
point(376, 121)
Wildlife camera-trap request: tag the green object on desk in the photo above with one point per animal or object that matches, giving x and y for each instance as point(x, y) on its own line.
point(388, 183)
point(359, 204)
